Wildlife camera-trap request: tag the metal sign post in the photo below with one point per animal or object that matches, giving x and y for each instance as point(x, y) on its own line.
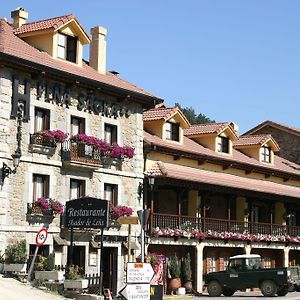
point(39, 240)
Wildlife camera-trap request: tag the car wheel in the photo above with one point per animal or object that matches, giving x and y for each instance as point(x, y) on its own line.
point(283, 291)
point(268, 288)
point(214, 288)
point(228, 292)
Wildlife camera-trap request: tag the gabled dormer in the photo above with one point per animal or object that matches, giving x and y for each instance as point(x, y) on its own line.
point(260, 147)
point(218, 137)
point(61, 37)
point(166, 123)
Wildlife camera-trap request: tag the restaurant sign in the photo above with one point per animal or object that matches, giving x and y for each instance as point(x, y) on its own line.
point(87, 212)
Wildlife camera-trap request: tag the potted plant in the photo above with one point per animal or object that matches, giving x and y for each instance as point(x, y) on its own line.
point(74, 279)
point(46, 269)
point(16, 257)
point(174, 272)
point(187, 273)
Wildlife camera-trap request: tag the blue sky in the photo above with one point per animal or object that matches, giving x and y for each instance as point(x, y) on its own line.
point(231, 60)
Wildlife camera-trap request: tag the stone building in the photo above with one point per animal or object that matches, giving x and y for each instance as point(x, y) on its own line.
point(213, 194)
point(58, 114)
point(287, 137)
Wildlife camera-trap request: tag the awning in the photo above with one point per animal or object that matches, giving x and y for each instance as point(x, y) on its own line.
point(133, 245)
point(60, 241)
point(95, 244)
point(171, 171)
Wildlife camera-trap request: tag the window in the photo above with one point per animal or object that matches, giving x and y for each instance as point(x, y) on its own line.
point(111, 193)
point(223, 144)
point(77, 188)
point(66, 47)
point(110, 133)
point(40, 186)
point(265, 154)
point(41, 119)
point(77, 125)
point(172, 131)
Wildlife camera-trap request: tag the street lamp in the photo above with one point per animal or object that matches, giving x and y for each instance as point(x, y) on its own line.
point(151, 181)
point(6, 170)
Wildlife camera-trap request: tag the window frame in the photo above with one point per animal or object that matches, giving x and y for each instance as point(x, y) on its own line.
point(68, 45)
point(80, 189)
point(172, 131)
point(113, 138)
point(45, 186)
point(81, 125)
point(114, 193)
point(223, 144)
point(265, 154)
point(45, 118)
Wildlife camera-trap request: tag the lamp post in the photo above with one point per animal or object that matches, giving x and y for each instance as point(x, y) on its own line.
point(6, 170)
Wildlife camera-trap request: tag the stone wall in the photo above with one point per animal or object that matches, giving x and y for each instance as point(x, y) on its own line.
point(289, 143)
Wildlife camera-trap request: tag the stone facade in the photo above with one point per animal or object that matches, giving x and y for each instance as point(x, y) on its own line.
point(17, 189)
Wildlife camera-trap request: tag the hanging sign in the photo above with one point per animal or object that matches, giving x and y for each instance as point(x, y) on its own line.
point(87, 212)
point(139, 291)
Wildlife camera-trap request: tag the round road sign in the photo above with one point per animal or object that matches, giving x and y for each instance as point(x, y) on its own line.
point(41, 237)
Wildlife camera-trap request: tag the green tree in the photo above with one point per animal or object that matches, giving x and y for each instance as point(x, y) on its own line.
point(193, 118)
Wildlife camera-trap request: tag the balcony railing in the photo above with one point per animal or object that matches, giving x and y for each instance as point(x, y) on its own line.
point(38, 139)
point(205, 225)
point(79, 152)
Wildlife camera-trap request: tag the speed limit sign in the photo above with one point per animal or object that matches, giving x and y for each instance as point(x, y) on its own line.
point(41, 237)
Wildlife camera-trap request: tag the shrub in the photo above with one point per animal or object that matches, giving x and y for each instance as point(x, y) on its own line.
point(187, 267)
point(73, 273)
point(174, 266)
point(16, 253)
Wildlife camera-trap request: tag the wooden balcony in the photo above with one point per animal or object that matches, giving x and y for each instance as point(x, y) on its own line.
point(180, 226)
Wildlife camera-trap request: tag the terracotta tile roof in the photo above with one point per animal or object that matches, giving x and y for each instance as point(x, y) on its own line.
point(161, 113)
point(207, 128)
point(16, 48)
point(191, 147)
point(44, 24)
point(161, 169)
point(290, 129)
point(248, 140)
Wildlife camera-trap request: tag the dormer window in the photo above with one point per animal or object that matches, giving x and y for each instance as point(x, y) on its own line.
point(223, 144)
point(265, 154)
point(172, 131)
point(66, 47)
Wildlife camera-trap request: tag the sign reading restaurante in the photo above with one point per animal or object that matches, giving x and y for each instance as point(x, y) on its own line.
point(87, 212)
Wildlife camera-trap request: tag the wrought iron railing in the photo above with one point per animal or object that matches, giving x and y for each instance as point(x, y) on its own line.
point(219, 225)
point(39, 139)
point(75, 151)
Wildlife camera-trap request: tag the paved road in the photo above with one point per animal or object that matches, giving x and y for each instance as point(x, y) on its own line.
point(12, 289)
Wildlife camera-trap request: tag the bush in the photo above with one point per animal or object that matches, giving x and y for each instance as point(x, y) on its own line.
point(16, 253)
point(187, 268)
point(73, 273)
point(174, 267)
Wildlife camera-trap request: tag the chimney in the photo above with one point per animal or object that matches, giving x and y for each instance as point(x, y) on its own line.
point(19, 16)
point(98, 49)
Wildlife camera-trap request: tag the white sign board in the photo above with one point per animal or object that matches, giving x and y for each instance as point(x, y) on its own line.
point(139, 273)
point(136, 291)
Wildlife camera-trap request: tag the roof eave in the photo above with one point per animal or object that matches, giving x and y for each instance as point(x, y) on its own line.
point(147, 100)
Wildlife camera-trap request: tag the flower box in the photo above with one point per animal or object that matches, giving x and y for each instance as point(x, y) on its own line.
point(50, 275)
point(15, 268)
point(76, 284)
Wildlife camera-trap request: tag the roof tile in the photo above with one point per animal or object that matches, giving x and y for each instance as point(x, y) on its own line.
point(15, 47)
point(162, 169)
point(206, 128)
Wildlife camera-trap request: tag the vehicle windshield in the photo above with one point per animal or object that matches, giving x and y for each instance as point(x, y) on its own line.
point(244, 264)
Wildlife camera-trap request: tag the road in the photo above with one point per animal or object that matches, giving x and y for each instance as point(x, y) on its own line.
point(12, 289)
